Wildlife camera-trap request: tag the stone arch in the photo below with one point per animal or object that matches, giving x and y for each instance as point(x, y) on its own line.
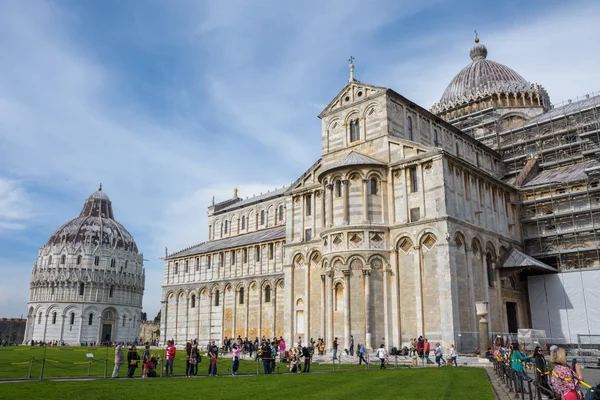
point(51, 308)
point(265, 283)
point(371, 106)
point(298, 259)
point(460, 241)
point(373, 173)
point(336, 120)
point(314, 257)
point(356, 262)
point(376, 261)
point(490, 248)
point(476, 246)
point(337, 262)
point(280, 283)
point(352, 114)
point(354, 174)
point(228, 287)
point(426, 231)
point(427, 241)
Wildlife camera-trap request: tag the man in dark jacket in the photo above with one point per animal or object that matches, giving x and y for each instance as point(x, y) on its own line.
point(133, 358)
point(306, 354)
point(265, 353)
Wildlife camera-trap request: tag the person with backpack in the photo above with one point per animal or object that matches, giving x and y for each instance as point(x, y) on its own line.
point(382, 355)
point(361, 354)
point(213, 353)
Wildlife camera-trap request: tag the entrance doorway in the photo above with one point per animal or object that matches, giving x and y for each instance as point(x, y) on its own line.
point(511, 317)
point(106, 332)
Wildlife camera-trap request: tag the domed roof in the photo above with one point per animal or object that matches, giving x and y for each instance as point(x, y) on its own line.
point(95, 226)
point(481, 73)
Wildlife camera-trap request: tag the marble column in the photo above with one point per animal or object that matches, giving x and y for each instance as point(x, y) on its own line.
point(419, 292)
point(323, 302)
point(260, 306)
point(246, 309)
point(329, 305)
point(274, 301)
point(347, 326)
point(386, 308)
point(368, 339)
point(365, 201)
point(307, 300)
point(234, 316)
point(330, 206)
point(187, 309)
point(396, 336)
point(222, 304)
point(80, 328)
point(62, 328)
point(345, 194)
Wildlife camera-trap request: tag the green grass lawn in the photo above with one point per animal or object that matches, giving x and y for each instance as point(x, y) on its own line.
point(72, 362)
point(424, 383)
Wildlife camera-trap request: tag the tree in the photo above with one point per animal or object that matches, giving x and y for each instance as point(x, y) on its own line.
point(144, 316)
point(157, 318)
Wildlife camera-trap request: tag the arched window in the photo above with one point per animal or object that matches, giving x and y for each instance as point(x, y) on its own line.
point(40, 318)
point(78, 260)
point(52, 291)
point(354, 131)
point(373, 186)
point(338, 188)
point(72, 318)
point(436, 139)
point(339, 297)
point(197, 263)
point(217, 294)
point(176, 269)
point(267, 294)
point(91, 319)
point(281, 213)
point(96, 261)
point(186, 268)
point(81, 289)
point(126, 263)
point(308, 205)
point(110, 291)
point(63, 259)
point(409, 125)
point(124, 319)
point(193, 302)
point(113, 263)
point(54, 318)
point(50, 261)
point(241, 295)
point(243, 222)
point(225, 226)
point(457, 147)
point(262, 217)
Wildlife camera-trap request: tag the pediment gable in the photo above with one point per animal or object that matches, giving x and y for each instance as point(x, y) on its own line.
point(352, 93)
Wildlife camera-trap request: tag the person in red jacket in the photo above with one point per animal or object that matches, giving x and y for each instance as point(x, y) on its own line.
point(170, 357)
point(426, 350)
point(420, 343)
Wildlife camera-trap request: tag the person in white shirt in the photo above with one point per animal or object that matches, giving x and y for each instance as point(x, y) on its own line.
point(382, 354)
point(439, 355)
point(453, 354)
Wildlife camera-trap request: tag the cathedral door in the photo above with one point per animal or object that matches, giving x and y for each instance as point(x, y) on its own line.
point(106, 332)
point(511, 317)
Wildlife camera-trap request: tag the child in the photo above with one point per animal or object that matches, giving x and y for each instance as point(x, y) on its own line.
point(293, 366)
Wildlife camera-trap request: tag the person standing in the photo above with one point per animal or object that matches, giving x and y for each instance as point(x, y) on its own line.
point(235, 358)
point(188, 359)
point(145, 360)
point(541, 374)
point(170, 351)
point(335, 348)
point(382, 355)
point(282, 349)
point(133, 358)
point(351, 345)
point(516, 359)
point(453, 355)
point(196, 357)
point(564, 380)
point(265, 353)
point(426, 351)
point(420, 346)
point(118, 359)
point(306, 353)
point(213, 353)
point(439, 355)
point(361, 354)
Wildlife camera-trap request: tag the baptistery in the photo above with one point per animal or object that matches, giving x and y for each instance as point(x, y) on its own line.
point(87, 282)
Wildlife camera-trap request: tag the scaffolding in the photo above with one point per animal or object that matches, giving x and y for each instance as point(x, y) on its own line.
point(560, 188)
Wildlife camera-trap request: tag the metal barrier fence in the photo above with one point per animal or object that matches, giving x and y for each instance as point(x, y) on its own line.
point(515, 380)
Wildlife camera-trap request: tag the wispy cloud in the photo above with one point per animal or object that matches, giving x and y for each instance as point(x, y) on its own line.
point(14, 206)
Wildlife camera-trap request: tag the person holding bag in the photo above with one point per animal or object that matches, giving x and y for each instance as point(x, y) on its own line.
point(132, 361)
point(565, 381)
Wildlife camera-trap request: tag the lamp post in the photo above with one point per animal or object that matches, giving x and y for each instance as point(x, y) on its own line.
point(482, 311)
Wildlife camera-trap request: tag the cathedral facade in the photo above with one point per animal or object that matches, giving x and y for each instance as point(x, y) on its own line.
point(87, 282)
point(408, 219)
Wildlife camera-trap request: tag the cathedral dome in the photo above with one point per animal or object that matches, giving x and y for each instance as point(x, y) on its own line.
point(95, 225)
point(481, 73)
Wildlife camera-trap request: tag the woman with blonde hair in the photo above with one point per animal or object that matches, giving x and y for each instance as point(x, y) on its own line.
point(564, 380)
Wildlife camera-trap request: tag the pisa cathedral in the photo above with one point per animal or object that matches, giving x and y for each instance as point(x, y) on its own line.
point(407, 220)
point(87, 282)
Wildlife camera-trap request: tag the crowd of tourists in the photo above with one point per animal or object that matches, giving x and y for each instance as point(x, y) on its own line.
point(297, 358)
point(554, 374)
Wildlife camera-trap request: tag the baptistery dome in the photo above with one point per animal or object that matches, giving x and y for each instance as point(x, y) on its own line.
point(87, 281)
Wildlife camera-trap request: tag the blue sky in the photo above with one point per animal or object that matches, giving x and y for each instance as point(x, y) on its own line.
point(168, 103)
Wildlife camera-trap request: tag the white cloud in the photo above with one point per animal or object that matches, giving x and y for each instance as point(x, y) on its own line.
point(14, 206)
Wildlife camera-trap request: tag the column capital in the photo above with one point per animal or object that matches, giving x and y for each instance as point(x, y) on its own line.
point(346, 273)
point(366, 272)
point(417, 247)
point(329, 186)
point(365, 181)
point(344, 181)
